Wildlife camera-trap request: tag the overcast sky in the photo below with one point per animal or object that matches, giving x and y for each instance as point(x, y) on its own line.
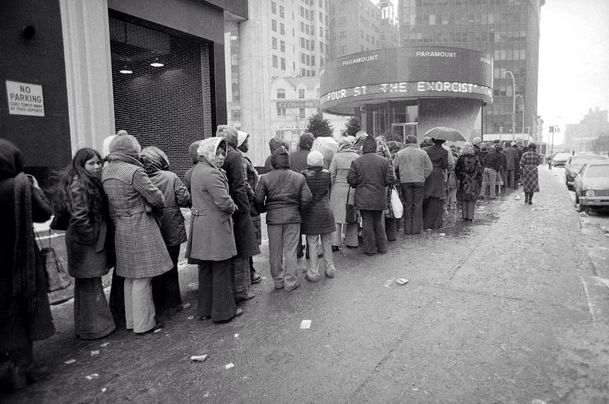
point(573, 59)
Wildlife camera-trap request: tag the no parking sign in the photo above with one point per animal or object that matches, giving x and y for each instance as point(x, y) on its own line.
point(24, 99)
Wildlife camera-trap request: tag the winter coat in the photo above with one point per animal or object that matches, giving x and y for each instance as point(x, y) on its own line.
point(493, 160)
point(211, 230)
point(369, 175)
point(339, 168)
point(176, 195)
point(512, 158)
point(317, 218)
point(469, 173)
point(187, 177)
point(245, 232)
point(282, 193)
point(86, 235)
point(530, 177)
point(435, 184)
point(412, 164)
point(140, 248)
point(298, 160)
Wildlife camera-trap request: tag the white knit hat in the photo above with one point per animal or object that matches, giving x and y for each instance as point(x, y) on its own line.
point(315, 159)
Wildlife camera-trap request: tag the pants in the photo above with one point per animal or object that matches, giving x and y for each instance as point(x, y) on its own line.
point(92, 317)
point(216, 295)
point(350, 239)
point(283, 240)
point(139, 306)
point(241, 273)
point(373, 232)
point(22, 356)
point(510, 179)
point(433, 212)
point(166, 287)
point(412, 194)
point(117, 299)
point(489, 179)
point(469, 208)
point(391, 228)
point(313, 242)
point(528, 197)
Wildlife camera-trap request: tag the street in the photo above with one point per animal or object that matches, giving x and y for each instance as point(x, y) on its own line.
point(513, 307)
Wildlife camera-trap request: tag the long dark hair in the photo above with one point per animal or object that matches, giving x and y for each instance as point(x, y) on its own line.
point(76, 171)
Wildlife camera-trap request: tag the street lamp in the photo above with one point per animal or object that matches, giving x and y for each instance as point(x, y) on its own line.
point(521, 100)
point(513, 102)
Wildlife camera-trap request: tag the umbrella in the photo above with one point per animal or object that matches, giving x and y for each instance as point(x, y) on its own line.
point(443, 133)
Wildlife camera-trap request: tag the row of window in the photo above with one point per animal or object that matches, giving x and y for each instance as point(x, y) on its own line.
point(476, 3)
point(456, 18)
point(282, 112)
point(307, 59)
point(462, 37)
point(281, 93)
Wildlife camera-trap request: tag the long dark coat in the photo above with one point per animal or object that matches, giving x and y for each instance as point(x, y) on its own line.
point(468, 171)
point(245, 232)
point(140, 249)
point(86, 235)
point(317, 218)
point(18, 329)
point(435, 184)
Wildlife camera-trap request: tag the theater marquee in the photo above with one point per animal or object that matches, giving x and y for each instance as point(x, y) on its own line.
point(405, 73)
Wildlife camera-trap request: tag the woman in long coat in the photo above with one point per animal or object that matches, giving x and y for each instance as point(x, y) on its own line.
point(339, 168)
point(141, 253)
point(25, 315)
point(245, 233)
point(530, 177)
point(81, 195)
point(435, 186)
point(317, 218)
point(211, 244)
point(469, 173)
point(166, 287)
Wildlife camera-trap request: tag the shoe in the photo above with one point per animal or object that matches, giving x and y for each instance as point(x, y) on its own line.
point(20, 376)
point(279, 285)
point(238, 312)
point(313, 278)
point(530, 202)
point(243, 296)
point(382, 252)
point(158, 326)
point(369, 253)
point(351, 246)
point(291, 288)
point(204, 318)
point(330, 273)
point(335, 248)
point(256, 278)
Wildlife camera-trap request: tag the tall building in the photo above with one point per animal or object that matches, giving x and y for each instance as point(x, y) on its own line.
point(280, 39)
point(580, 136)
point(361, 25)
point(508, 30)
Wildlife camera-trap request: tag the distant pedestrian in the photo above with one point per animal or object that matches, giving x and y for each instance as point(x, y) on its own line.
point(25, 314)
point(468, 171)
point(339, 168)
point(166, 287)
point(492, 168)
point(530, 180)
point(435, 186)
point(317, 218)
point(369, 175)
point(88, 236)
point(512, 161)
point(413, 166)
point(141, 253)
point(283, 194)
point(244, 231)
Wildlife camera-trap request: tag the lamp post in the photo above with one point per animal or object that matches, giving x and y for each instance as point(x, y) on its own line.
point(521, 100)
point(513, 102)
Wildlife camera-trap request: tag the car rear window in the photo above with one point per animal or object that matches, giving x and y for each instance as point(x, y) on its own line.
point(598, 171)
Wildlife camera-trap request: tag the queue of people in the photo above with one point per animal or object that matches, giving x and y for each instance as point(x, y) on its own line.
point(123, 211)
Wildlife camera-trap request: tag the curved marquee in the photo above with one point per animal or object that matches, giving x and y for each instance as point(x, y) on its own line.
point(405, 73)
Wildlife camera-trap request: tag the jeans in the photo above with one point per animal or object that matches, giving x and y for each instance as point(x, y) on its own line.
point(412, 194)
point(373, 234)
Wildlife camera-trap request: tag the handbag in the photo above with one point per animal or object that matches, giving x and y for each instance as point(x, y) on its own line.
point(57, 277)
point(61, 220)
point(350, 211)
point(396, 204)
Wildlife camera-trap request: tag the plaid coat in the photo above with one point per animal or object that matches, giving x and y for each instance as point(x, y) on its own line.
point(140, 249)
point(529, 162)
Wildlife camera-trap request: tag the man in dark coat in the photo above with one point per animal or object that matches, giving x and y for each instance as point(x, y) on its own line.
point(244, 230)
point(274, 144)
point(369, 175)
point(492, 166)
point(512, 162)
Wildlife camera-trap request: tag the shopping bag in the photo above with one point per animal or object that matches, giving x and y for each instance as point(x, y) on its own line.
point(57, 277)
point(350, 211)
point(396, 204)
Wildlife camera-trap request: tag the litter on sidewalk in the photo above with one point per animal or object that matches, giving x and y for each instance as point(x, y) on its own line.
point(198, 358)
point(186, 306)
point(402, 281)
point(228, 366)
point(305, 324)
point(92, 376)
point(105, 344)
point(70, 361)
point(94, 353)
point(388, 282)
point(190, 317)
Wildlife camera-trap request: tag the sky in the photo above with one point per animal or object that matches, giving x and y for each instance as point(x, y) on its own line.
point(573, 60)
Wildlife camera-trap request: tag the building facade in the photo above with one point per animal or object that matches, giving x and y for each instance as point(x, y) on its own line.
point(508, 30)
point(155, 69)
point(583, 136)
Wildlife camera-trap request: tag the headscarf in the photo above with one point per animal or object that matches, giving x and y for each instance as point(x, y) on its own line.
point(346, 144)
point(154, 159)
point(125, 148)
point(241, 137)
point(208, 149)
point(11, 160)
point(360, 138)
point(468, 148)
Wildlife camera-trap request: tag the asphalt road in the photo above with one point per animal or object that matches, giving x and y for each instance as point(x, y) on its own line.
point(511, 308)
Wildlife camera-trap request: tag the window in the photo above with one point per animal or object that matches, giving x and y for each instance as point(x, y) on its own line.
point(301, 112)
point(312, 60)
point(275, 61)
point(303, 72)
point(273, 7)
point(303, 58)
point(308, 62)
point(281, 93)
point(282, 46)
point(282, 28)
point(312, 45)
point(281, 12)
point(274, 25)
point(282, 63)
point(280, 111)
point(301, 93)
point(274, 42)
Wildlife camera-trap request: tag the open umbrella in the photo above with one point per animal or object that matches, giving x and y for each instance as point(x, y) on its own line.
point(443, 133)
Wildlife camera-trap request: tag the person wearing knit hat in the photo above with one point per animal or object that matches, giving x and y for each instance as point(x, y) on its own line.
point(317, 218)
point(244, 231)
point(283, 194)
point(274, 144)
point(109, 139)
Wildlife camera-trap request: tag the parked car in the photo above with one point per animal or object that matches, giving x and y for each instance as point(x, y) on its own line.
point(592, 186)
point(560, 159)
point(575, 163)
